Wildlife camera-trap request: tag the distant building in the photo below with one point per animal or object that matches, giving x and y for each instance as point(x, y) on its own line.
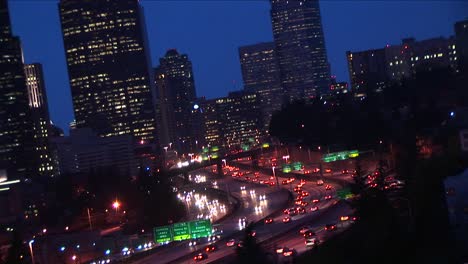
point(260, 73)
point(338, 87)
point(378, 68)
point(175, 89)
point(461, 40)
point(40, 114)
point(17, 153)
point(456, 188)
point(233, 122)
point(300, 46)
point(84, 151)
point(109, 67)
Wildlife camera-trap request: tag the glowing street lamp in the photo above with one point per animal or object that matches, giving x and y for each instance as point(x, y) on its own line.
point(31, 250)
point(116, 204)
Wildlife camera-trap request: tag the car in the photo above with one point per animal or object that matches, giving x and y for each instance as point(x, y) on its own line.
point(200, 257)
point(315, 200)
point(252, 233)
point(287, 219)
point(320, 182)
point(280, 250)
point(257, 174)
point(304, 194)
point(284, 182)
point(192, 243)
point(314, 208)
point(330, 227)
point(344, 171)
point(289, 253)
point(304, 203)
point(301, 210)
point(268, 220)
point(328, 187)
point(344, 218)
point(308, 234)
point(327, 197)
point(328, 170)
point(304, 229)
point(316, 170)
point(211, 248)
point(272, 183)
point(311, 242)
point(231, 242)
point(297, 189)
point(240, 244)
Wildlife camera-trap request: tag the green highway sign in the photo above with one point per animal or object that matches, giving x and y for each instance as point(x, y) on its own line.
point(162, 234)
point(343, 155)
point(200, 228)
point(297, 166)
point(287, 168)
point(344, 193)
point(181, 231)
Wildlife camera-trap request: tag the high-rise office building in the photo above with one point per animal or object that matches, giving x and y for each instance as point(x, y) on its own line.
point(260, 73)
point(17, 155)
point(300, 45)
point(175, 96)
point(40, 115)
point(461, 39)
point(234, 121)
point(375, 69)
point(109, 67)
point(367, 69)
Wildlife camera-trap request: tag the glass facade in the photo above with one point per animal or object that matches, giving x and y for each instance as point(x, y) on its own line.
point(109, 67)
point(300, 45)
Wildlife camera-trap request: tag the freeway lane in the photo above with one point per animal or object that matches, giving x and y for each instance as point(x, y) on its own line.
point(266, 232)
point(229, 225)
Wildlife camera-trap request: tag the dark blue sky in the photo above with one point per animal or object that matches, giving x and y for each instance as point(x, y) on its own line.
point(211, 31)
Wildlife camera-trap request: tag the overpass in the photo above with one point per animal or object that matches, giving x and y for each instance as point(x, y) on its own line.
point(254, 154)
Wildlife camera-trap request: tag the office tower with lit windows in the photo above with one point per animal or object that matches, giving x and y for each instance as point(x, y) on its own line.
point(40, 115)
point(377, 68)
point(109, 67)
point(17, 155)
point(175, 99)
point(300, 46)
point(461, 42)
point(233, 122)
point(261, 75)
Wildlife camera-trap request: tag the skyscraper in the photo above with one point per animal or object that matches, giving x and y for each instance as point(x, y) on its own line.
point(260, 73)
point(16, 127)
point(461, 37)
point(40, 115)
point(109, 67)
point(233, 121)
point(175, 95)
point(375, 69)
point(300, 45)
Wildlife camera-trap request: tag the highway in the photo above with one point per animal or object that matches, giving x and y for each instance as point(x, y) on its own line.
point(258, 201)
point(277, 198)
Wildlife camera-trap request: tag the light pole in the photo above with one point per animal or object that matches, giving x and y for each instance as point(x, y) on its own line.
point(31, 251)
point(89, 220)
point(274, 175)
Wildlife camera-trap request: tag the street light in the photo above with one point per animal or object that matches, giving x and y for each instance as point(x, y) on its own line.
point(274, 175)
point(116, 205)
point(31, 250)
point(224, 161)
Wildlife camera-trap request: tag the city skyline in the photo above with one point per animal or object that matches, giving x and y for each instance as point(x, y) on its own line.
point(256, 14)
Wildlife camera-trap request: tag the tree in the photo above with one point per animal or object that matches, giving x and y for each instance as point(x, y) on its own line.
point(16, 250)
point(250, 251)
